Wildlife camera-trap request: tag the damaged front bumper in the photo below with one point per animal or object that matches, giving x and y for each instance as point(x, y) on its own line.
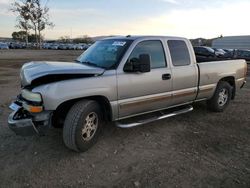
point(24, 123)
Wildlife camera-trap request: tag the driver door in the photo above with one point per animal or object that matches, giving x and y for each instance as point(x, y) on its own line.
point(139, 93)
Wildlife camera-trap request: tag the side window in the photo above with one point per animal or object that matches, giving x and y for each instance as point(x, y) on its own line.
point(179, 53)
point(154, 49)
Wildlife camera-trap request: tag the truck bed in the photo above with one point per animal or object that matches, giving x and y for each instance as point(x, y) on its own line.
point(213, 71)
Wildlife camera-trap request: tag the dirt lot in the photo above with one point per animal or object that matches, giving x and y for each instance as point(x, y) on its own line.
point(198, 149)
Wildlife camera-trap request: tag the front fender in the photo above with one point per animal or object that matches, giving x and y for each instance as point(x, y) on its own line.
point(56, 93)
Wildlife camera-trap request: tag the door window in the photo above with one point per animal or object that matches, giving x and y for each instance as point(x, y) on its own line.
point(154, 49)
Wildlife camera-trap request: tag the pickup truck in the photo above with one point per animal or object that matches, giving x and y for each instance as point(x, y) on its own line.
point(129, 80)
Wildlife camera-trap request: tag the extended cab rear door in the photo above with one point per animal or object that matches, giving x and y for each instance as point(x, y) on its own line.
point(184, 71)
point(144, 92)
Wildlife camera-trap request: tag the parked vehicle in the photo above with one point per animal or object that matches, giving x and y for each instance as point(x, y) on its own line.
point(54, 46)
point(242, 54)
point(72, 46)
point(15, 45)
point(79, 47)
point(65, 46)
point(117, 79)
point(219, 52)
point(4, 46)
point(228, 50)
point(31, 45)
point(49, 46)
point(204, 54)
point(62, 47)
point(45, 45)
point(204, 51)
point(229, 53)
point(85, 46)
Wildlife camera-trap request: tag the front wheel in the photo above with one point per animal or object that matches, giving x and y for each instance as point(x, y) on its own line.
point(221, 97)
point(82, 125)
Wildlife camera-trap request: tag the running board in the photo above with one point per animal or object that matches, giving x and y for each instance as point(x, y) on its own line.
point(152, 119)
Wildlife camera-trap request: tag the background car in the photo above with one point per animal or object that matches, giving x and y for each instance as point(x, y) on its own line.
point(79, 47)
point(4, 46)
point(204, 54)
point(229, 53)
point(49, 46)
point(219, 52)
point(54, 46)
point(63, 47)
point(204, 51)
point(242, 54)
point(85, 46)
point(17, 45)
point(72, 46)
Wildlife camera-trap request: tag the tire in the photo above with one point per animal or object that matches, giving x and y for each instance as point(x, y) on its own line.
point(82, 125)
point(221, 97)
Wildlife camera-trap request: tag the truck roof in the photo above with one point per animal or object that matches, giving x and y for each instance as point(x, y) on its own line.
point(135, 37)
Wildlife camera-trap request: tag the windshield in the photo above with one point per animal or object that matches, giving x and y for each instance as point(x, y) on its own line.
point(105, 53)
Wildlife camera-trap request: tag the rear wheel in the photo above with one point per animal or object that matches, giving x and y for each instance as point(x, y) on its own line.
point(82, 125)
point(221, 97)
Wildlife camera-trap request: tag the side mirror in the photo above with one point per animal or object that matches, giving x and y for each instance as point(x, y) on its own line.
point(138, 65)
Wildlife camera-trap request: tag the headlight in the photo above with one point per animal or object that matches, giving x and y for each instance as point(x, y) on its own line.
point(30, 96)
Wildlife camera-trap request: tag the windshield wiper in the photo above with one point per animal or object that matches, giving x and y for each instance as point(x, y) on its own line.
point(76, 60)
point(92, 64)
point(89, 63)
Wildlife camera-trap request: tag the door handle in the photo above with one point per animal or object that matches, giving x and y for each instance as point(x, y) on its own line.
point(166, 76)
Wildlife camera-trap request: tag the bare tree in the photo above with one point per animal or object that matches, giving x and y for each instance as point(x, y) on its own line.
point(40, 18)
point(22, 8)
point(32, 14)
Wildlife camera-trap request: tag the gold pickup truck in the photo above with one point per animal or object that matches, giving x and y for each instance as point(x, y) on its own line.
point(131, 80)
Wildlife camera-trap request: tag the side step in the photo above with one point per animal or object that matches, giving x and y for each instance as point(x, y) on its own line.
point(162, 115)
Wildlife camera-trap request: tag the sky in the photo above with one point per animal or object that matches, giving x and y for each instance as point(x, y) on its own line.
point(185, 18)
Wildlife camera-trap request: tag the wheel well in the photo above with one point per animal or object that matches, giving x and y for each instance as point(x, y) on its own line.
point(231, 81)
point(60, 113)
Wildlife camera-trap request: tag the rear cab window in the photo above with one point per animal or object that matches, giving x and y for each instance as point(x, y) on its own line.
point(179, 52)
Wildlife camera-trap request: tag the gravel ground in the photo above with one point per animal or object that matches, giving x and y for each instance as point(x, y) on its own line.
point(198, 149)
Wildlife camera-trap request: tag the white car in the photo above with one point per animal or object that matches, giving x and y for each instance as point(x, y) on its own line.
point(4, 46)
point(79, 47)
point(46, 46)
point(54, 46)
point(72, 46)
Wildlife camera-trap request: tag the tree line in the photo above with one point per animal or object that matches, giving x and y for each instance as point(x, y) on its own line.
point(31, 15)
point(84, 39)
point(21, 36)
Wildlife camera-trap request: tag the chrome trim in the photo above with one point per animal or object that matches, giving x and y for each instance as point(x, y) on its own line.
point(207, 87)
point(145, 100)
point(148, 112)
point(198, 100)
point(142, 122)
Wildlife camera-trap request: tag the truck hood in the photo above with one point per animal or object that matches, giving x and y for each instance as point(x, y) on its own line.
point(42, 72)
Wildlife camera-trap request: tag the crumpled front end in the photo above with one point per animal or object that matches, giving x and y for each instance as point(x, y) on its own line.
point(26, 123)
point(44, 72)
